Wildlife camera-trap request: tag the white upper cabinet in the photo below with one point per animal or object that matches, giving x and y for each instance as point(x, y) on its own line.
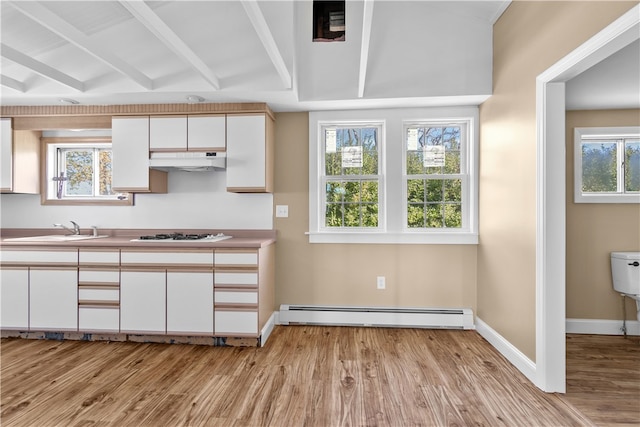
point(19, 159)
point(188, 133)
point(207, 132)
point(6, 154)
point(168, 133)
point(130, 157)
point(249, 153)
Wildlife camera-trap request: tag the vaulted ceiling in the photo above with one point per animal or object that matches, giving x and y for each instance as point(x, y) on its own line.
point(395, 54)
point(129, 52)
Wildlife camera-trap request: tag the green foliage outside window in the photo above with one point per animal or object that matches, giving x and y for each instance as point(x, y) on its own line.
point(600, 166)
point(434, 197)
point(82, 175)
point(352, 192)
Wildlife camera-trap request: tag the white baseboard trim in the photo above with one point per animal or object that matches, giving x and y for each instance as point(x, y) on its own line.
point(513, 355)
point(268, 328)
point(601, 327)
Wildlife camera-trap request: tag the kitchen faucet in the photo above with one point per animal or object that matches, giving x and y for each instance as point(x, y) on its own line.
point(75, 230)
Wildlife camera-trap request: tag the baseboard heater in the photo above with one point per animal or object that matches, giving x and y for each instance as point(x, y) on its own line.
point(446, 318)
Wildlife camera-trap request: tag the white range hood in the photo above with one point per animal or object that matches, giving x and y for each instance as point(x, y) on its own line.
point(188, 161)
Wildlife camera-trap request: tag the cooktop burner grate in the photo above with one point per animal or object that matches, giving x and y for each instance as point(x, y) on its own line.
point(172, 237)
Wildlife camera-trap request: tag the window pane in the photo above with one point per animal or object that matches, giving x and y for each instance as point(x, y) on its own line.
point(434, 190)
point(335, 191)
point(433, 150)
point(333, 215)
point(369, 191)
point(452, 215)
point(352, 204)
point(352, 191)
point(415, 216)
point(632, 166)
point(453, 190)
point(352, 215)
point(415, 190)
point(333, 163)
point(599, 169)
point(434, 217)
point(104, 173)
point(79, 170)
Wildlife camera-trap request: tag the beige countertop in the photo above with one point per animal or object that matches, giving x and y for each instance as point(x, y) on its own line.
point(121, 238)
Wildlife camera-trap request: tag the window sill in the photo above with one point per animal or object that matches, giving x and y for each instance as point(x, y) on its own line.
point(434, 238)
point(607, 198)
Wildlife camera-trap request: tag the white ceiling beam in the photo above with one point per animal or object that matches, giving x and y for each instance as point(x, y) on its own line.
point(40, 68)
point(264, 34)
point(367, 17)
point(158, 28)
point(62, 28)
point(12, 83)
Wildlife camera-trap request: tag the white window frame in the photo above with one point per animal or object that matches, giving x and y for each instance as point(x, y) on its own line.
point(608, 133)
point(54, 143)
point(393, 218)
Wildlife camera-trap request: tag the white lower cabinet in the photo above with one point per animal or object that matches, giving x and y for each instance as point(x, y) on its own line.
point(102, 319)
point(98, 299)
point(235, 321)
point(190, 302)
point(14, 298)
point(143, 301)
point(53, 299)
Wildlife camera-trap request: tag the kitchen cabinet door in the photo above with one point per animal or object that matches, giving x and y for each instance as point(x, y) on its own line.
point(6, 155)
point(53, 299)
point(143, 301)
point(207, 133)
point(190, 302)
point(14, 298)
point(236, 322)
point(249, 153)
point(19, 160)
point(168, 133)
point(130, 157)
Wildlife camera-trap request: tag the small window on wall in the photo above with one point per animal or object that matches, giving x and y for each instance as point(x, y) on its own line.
point(328, 21)
point(78, 171)
point(607, 165)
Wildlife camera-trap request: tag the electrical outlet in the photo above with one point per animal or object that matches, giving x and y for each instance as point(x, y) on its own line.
point(282, 211)
point(380, 282)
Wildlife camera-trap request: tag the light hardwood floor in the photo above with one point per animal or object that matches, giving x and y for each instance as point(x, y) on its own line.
point(304, 376)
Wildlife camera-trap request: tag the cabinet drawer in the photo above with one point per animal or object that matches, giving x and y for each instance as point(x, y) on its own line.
point(164, 258)
point(98, 257)
point(236, 297)
point(103, 295)
point(236, 278)
point(86, 275)
point(99, 319)
point(233, 259)
point(236, 322)
point(44, 257)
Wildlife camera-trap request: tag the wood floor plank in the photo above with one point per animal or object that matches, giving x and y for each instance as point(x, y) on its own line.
point(312, 376)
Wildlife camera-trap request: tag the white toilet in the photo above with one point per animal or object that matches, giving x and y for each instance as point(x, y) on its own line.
point(625, 268)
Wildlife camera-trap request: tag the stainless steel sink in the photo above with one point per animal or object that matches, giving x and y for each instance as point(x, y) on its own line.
point(54, 238)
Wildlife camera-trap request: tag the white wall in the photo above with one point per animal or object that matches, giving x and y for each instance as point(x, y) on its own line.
point(194, 200)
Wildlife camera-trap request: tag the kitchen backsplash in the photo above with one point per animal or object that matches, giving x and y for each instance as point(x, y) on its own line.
point(194, 200)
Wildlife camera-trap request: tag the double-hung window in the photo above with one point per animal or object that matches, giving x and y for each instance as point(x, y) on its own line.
point(436, 175)
point(351, 179)
point(393, 176)
point(78, 171)
point(607, 165)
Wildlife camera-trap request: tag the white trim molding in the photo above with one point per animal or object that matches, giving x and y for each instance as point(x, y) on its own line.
point(508, 350)
point(550, 198)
